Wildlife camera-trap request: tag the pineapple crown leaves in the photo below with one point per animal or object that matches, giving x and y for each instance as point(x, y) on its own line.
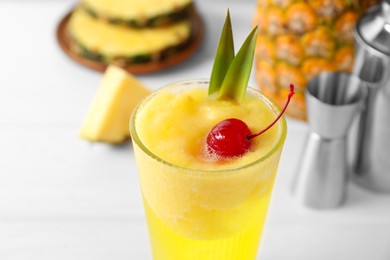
point(223, 57)
point(230, 74)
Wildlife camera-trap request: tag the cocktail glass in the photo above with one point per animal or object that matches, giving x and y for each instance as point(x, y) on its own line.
point(205, 214)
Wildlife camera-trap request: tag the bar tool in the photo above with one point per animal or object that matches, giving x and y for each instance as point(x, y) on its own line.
point(370, 138)
point(333, 100)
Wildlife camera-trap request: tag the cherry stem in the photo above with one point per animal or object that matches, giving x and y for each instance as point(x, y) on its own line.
point(249, 137)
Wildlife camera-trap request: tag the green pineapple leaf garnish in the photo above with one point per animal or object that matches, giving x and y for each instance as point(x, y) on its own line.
point(236, 79)
point(223, 58)
point(230, 74)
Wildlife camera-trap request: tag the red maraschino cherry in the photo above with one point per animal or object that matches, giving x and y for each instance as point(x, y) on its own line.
point(229, 138)
point(232, 137)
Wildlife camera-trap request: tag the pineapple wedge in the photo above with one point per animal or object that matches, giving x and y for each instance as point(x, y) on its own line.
point(109, 114)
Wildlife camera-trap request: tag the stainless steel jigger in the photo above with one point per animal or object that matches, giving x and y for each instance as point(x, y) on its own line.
point(333, 100)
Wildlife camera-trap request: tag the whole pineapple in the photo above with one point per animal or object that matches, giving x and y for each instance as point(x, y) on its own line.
point(299, 39)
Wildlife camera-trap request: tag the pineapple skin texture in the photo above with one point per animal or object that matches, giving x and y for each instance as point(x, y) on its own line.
point(108, 117)
point(299, 39)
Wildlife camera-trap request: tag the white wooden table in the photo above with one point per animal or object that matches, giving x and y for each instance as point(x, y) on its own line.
point(62, 198)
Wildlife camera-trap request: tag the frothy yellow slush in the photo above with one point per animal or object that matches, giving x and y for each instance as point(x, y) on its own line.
point(199, 206)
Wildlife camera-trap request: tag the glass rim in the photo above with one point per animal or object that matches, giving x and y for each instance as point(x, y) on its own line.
point(137, 140)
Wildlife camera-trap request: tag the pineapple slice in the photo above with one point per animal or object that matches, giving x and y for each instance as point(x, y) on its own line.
point(108, 117)
point(110, 43)
point(139, 13)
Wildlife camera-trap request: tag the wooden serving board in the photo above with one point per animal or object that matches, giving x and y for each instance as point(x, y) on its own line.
point(197, 25)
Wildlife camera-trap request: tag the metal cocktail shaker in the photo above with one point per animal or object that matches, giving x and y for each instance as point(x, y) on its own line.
point(370, 141)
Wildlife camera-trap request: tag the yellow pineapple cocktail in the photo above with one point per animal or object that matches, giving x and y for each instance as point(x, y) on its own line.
point(198, 206)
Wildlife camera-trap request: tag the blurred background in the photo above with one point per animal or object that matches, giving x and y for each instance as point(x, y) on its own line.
point(62, 197)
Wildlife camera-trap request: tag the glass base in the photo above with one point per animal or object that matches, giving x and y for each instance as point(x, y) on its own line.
point(169, 245)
